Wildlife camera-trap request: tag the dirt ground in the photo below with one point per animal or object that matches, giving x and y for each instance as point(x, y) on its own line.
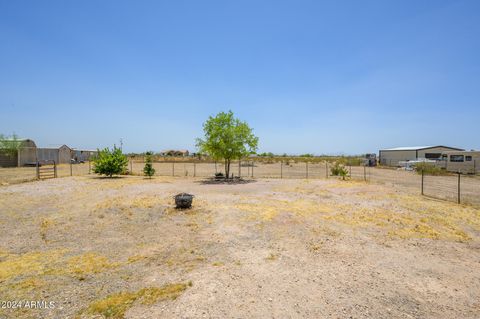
point(440, 187)
point(92, 247)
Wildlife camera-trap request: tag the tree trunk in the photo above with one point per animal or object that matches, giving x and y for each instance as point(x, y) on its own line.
point(227, 168)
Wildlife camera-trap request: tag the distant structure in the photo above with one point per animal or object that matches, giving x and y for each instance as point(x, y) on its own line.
point(29, 154)
point(175, 153)
point(392, 156)
point(61, 154)
point(461, 161)
point(83, 155)
point(26, 153)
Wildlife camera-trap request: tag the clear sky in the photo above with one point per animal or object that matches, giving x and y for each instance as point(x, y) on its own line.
point(309, 76)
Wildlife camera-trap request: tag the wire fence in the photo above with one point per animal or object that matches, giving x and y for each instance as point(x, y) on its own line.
point(460, 188)
point(471, 166)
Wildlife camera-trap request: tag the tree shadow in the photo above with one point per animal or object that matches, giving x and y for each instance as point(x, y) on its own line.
point(224, 181)
point(108, 177)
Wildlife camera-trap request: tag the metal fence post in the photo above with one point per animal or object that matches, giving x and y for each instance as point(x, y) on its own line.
point(364, 173)
point(326, 169)
point(239, 168)
point(422, 182)
point(306, 169)
point(215, 167)
point(350, 170)
point(173, 168)
point(89, 167)
point(253, 164)
point(71, 168)
point(131, 166)
point(194, 169)
point(281, 169)
point(458, 192)
point(38, 171)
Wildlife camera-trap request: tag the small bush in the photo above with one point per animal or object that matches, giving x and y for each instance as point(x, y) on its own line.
point(339, 170)
point(110, 162)
point(148, 170)
point(429, 169)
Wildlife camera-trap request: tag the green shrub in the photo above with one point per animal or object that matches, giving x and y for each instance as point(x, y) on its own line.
point(148, 170)
point(429, 169)
point(339, 170)
point(110, 162)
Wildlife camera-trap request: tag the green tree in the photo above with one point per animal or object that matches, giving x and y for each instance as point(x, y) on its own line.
point(10, 144)
point(227, 138)
point(148, 170)
point(110, 162)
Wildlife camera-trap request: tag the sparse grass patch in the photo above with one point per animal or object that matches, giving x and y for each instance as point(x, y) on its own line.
point(29, 264)
point(345, 184)
point(89, 263)
point(115, 305)
point(218, 264)
point(183, 258)
point(54, 262)
point(267, 210)
point(44, 226)
point(136, 258)
point(417, 218)
point(272, 256)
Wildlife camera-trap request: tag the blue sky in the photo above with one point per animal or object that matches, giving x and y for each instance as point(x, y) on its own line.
point(324, 77)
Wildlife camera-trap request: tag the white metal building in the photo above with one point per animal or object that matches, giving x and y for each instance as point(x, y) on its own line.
point(391, 156)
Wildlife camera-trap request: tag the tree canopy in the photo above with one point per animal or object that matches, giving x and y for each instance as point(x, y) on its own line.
point(110, 162)
point(227, 138)
point(10, 144)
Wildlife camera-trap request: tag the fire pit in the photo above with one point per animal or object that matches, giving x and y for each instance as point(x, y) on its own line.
point(183, 200)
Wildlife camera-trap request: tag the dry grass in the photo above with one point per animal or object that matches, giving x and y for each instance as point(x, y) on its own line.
point(397, 215)
point(29, 264)
point(229, 226)
point(33, 266)
point(115, 305)
point(88, 263)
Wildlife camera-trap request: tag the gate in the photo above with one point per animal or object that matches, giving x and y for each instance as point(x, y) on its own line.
point(46, 169)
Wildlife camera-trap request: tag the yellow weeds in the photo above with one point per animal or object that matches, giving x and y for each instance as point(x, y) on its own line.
point(115, 306)
point(29, 264)
point(401, 216)
point(54, 262)
point(414, 217)
point(88, 263)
